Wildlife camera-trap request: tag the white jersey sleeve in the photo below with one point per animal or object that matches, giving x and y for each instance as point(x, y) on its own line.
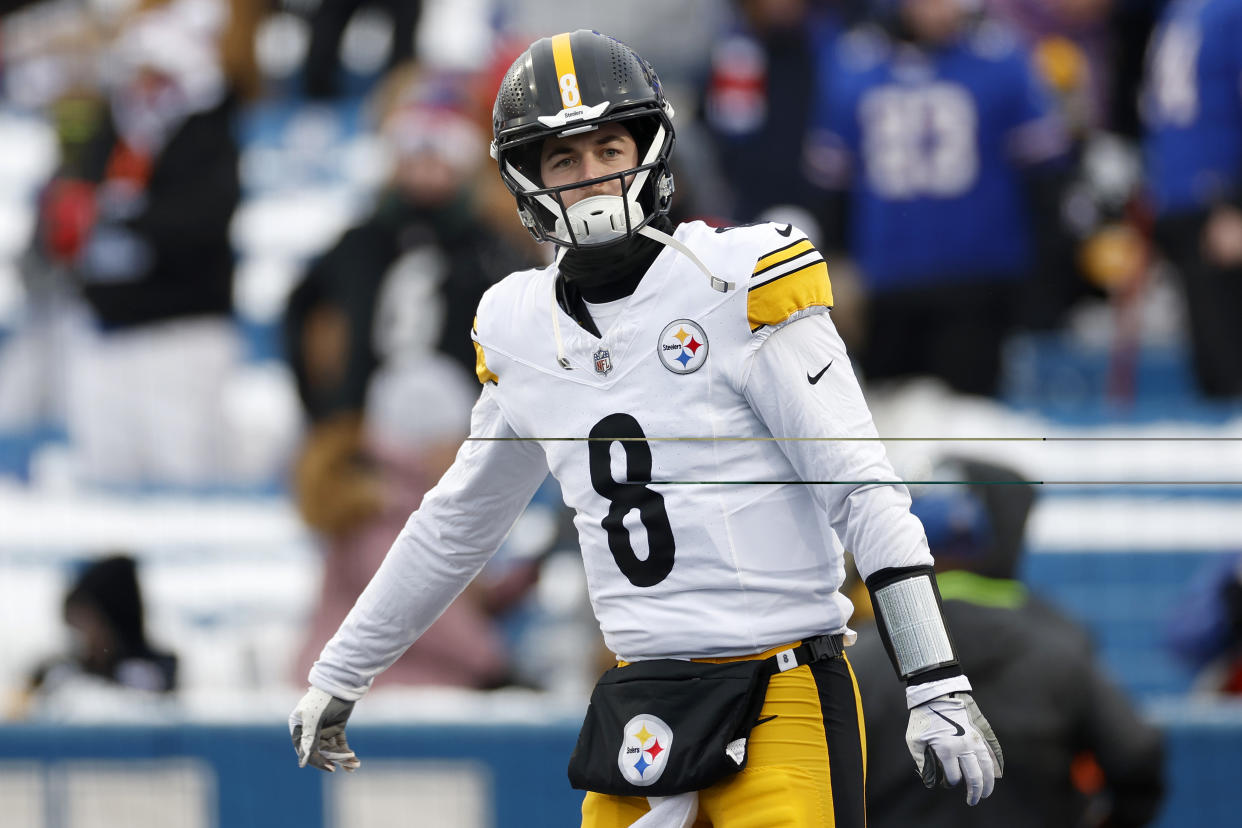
point(459, 526)
point(801, 385)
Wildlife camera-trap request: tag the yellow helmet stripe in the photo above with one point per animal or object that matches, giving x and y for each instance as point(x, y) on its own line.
point(566, 76)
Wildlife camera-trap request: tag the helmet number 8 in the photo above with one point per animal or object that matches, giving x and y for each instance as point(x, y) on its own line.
point(569, 90)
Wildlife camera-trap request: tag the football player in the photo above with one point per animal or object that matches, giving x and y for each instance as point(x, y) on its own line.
point(689, 392)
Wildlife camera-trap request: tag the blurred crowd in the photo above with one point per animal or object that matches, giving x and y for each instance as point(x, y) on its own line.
point(972, 169)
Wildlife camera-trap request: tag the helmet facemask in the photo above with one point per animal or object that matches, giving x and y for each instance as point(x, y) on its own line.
point(646, 189)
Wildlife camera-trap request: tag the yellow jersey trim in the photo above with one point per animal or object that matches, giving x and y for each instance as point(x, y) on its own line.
point(773, 301)
point(481, 370)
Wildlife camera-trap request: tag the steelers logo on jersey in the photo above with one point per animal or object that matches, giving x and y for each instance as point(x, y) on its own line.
point(645, 742)
point(682, 347)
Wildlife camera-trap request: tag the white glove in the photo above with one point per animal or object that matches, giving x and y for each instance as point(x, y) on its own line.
point(950, 741)
point(317, 726)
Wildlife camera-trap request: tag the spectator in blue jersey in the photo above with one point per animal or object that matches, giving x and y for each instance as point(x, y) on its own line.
point(1205, 629)
point(936, 134)
point(1192, 109)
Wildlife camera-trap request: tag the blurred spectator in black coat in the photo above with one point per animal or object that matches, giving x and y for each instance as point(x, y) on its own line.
point(1077, 752)
point(141, 224)
point(761, 85)
point(408, 278)
point(109, 652)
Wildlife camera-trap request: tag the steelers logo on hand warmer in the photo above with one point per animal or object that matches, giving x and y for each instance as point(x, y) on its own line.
point(645, 744)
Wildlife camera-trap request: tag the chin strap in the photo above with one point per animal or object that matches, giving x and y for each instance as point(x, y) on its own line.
point(561, 359)
point(664, 238)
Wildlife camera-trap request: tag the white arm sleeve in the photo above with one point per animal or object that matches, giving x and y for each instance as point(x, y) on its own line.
point(459, 526)
point(872, 519)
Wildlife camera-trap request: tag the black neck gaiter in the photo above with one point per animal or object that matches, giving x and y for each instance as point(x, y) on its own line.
point(606, 273)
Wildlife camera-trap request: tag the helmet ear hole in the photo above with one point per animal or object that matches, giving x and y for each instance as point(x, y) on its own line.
point(665, 189)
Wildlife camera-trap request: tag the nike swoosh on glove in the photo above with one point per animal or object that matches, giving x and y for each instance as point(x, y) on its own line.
point(951, 741)
point(317, 726)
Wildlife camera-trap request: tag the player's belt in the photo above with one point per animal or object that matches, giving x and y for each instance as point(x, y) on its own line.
point(808, 651)
point(811, 650)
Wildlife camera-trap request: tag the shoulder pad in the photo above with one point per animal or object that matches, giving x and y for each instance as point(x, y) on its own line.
point(789, 276)
point(492, 316)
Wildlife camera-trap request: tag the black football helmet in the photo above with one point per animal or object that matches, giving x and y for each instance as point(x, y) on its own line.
point(568, 84)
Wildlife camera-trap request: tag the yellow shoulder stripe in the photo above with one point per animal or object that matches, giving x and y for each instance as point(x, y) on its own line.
point(775, 300)
point(784, 254)
point(481, 370)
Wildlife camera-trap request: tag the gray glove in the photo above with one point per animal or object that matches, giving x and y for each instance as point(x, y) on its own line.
point(951, 741)
point(317, 726)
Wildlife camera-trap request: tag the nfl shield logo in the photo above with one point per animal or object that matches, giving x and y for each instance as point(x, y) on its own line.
point(603, 362)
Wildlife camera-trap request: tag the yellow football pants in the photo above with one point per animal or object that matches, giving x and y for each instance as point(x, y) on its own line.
point(806, 768)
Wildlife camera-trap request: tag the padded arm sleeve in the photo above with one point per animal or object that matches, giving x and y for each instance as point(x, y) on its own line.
point(911, 623)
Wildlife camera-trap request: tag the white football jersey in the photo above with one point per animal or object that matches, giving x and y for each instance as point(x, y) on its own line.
point(714, 445)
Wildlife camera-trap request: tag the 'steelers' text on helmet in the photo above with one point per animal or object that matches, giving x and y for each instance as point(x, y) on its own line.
point(569, 84)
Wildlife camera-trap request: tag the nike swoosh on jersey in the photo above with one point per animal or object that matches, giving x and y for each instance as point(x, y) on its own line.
point(788, 229)
point(958, 729)
point(764, 719)
point(814, 379)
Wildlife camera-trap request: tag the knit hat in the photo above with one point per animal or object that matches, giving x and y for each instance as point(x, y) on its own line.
point(110, 586)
